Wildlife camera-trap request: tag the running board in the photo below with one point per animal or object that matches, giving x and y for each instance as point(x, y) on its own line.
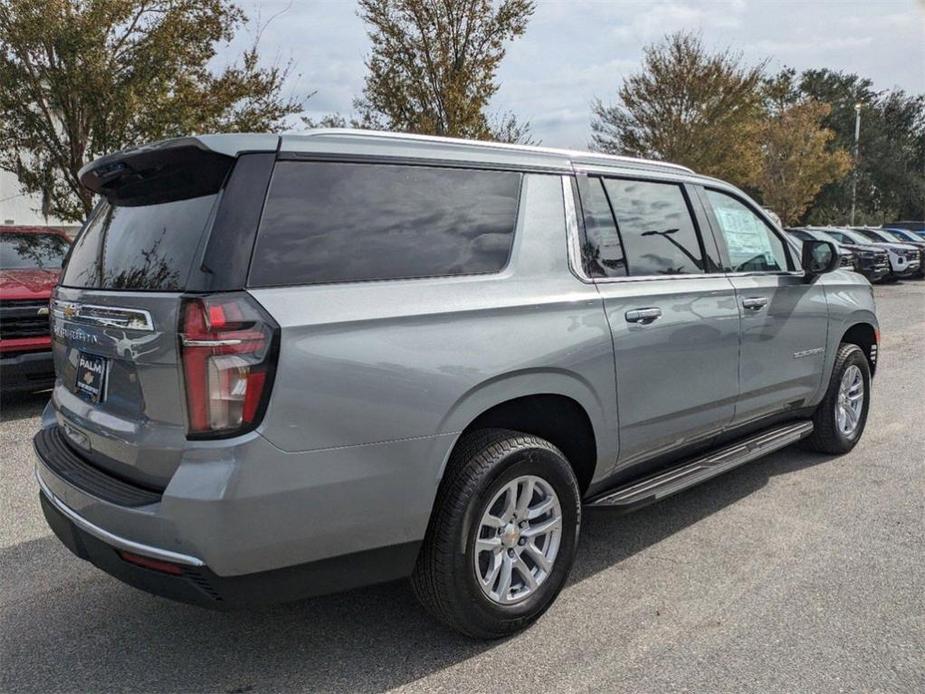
point(667, 482)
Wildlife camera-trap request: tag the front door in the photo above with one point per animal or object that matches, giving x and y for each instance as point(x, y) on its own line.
point(784, 320)
point(672, 314)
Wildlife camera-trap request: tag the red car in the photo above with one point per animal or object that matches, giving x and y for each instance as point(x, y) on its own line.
point(30, 262)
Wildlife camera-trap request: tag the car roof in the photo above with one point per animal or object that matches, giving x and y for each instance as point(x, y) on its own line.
point(346, 142)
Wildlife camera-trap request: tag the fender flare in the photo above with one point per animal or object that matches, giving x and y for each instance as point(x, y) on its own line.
point(528, 382)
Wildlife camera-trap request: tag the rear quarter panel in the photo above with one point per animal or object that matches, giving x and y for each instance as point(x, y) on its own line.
point(372, 362)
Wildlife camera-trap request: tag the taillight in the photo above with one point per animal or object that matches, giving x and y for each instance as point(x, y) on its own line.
point(228, 347)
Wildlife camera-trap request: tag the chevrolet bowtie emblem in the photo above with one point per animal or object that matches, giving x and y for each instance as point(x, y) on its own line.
point(70, 311)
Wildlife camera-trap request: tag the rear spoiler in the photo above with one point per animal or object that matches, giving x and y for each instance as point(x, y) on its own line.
point(163, 171)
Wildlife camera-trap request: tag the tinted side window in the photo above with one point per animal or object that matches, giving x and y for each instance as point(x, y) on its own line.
point(334, 222)
point(655, 224)
point(601, 252)
point(149, 247)
point(752, 246)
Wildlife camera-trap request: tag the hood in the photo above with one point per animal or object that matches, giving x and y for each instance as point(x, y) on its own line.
point(27, 283)
point(858, 247)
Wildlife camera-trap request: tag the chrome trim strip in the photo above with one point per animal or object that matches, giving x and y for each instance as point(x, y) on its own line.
point(111, 539)
point(187, 342)
point(571, 231)
point(574, 253)
point(105, 316)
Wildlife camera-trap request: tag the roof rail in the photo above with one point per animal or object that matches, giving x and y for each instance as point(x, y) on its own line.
point(568, 153)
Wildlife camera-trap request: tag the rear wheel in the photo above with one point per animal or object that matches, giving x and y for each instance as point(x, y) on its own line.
point(502, 536)
point(841, 416)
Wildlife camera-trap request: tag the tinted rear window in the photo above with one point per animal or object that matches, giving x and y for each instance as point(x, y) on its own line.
point(151, 247)
point(20, 251)
point(336, 222)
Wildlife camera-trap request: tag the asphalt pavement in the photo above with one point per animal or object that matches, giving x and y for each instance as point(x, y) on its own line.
point(798, 572)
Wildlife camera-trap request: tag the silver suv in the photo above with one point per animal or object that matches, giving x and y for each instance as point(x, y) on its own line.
point(299, 364)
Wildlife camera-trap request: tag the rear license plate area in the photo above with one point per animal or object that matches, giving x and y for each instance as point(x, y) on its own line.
point(90, 383)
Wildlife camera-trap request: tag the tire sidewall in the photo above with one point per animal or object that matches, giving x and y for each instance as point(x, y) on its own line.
point(552, 467)
point(854, 358)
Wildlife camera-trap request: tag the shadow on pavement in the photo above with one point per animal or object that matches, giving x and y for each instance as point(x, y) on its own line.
point(64, 625)
point(15, 406)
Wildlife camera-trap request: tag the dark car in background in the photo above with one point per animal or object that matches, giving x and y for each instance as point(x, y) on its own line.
point(867, 259)
point(904, 259)
point(30, 262)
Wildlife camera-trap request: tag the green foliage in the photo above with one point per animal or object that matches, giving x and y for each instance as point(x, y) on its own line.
point(432, 66)
point(82, 78)
point(797, 158)
point(891, 162)
point(688, 106)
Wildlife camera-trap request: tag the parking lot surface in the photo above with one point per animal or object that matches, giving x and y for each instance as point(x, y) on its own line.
point(798, 572)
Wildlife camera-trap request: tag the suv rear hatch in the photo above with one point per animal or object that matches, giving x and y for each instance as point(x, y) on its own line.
point(131, 390)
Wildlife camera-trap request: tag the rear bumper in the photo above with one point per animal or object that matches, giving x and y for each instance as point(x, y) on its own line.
point(196, 584)
point(26, 371)
point(246, 522)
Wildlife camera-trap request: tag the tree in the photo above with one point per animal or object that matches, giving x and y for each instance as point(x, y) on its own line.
point(433, 65)
point(82, 78)
point(891, 165)
point(797, 160)
point(688, 106)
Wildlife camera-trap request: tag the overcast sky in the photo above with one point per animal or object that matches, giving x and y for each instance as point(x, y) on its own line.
point(575, 50)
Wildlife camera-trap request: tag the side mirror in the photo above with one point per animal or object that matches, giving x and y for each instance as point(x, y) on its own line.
point(819, 257)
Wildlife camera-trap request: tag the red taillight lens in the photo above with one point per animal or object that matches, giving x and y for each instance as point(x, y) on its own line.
point(228, 348)
point(154, 564)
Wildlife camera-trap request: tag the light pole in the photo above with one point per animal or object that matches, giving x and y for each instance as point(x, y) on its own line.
point(854, 179)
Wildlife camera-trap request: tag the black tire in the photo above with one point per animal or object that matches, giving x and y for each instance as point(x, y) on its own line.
point(444, 578)
point(826, 436)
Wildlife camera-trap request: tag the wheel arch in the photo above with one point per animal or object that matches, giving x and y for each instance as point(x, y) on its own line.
point(556, 405)
point(866, 335)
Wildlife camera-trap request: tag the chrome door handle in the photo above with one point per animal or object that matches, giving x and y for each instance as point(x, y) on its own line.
point(643, 315)
point(755, 303)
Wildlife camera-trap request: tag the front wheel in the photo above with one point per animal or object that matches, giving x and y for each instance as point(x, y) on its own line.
point(503, 534)
point(841, 416)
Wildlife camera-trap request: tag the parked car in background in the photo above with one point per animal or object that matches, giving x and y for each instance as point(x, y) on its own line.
point(310, 362)
point(871, 261)
point(915, 227)
point(904, 259)
point(847, 259)
point(906, 236)
point(881, 236)
point(30, 262)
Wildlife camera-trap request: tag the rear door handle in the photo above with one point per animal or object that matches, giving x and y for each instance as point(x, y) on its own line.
point(643, 315)
point(755, 303)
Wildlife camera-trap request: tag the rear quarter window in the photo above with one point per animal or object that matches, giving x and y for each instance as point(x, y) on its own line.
point(342, 222)
point(146, 247)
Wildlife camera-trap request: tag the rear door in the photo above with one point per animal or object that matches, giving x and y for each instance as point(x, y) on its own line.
point(784, 320)
point(671, 310)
